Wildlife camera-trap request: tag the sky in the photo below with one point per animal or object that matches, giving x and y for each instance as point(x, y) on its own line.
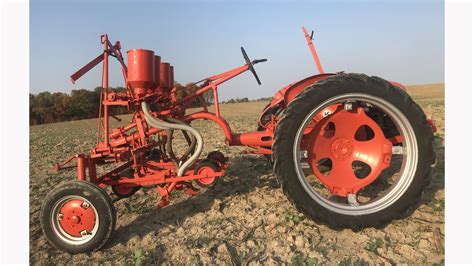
point(396, 40)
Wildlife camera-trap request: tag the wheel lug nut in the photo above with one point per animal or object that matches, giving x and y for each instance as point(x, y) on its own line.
point(60, 216)
point(304, 154)
point(352, 199)
point(348, 106)
point(399, 150)
point(85, 205)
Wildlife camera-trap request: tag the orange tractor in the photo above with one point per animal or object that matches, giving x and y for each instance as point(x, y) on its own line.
point(349, 150)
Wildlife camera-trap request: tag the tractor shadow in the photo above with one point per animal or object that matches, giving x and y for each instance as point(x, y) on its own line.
point(244, 175)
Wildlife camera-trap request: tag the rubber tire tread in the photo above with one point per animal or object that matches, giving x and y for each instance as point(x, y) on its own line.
point(317, 93)
point(101, 201)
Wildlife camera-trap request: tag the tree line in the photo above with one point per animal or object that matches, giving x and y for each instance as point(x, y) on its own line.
point(47, 107)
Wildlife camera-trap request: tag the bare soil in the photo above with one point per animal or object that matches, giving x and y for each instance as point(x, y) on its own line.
point(245, 218)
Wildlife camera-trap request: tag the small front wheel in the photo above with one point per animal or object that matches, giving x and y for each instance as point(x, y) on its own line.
point(77, 217)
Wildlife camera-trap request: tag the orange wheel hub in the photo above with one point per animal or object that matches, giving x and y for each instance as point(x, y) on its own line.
point(341, 148)
point(77, 216)
point(206, 170)
point(343, 138)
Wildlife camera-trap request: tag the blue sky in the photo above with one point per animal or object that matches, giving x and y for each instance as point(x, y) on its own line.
point(396, 40)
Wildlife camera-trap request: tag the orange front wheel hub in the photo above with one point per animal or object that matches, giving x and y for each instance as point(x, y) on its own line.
point(77, 217)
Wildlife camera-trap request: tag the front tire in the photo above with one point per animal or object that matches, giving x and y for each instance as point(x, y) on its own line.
point(338, 208)
point(77, 217)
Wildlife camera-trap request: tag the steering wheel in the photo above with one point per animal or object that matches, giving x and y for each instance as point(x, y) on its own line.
point(251, 63)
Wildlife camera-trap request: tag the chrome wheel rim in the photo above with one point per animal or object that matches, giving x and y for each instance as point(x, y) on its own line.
point(408, 161)
point(59, 231)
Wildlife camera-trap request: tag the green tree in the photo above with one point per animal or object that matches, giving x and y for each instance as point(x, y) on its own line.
point(82, 104)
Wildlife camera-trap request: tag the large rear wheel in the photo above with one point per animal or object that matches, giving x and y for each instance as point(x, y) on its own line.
point(363, 163)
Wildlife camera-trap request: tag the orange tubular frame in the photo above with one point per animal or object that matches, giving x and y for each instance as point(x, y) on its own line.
point(120, 145)
point(132, 143)
point(309, 39)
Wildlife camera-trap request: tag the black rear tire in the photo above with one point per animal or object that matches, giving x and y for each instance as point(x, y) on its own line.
point(310, 98)
point(265, 119)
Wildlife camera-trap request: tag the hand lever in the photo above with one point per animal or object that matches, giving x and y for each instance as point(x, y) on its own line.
point(256, 61)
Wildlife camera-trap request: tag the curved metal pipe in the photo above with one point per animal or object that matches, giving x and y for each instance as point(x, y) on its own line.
point(160, 124)
point(169, 147)
point(218, 120)
point(191, 141)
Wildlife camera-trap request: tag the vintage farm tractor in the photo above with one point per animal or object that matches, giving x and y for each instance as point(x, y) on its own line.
point(348, 150)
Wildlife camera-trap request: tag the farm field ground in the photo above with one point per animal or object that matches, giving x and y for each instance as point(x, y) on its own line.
point(245, 218)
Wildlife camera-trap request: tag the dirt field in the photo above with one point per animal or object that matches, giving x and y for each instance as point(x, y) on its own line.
point(244, 219)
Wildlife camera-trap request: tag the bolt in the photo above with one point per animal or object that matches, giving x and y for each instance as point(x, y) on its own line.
point(85, 205)
point(304, 154)
point(84, 233)
point(399, 150)
point(352, 199)
point(60, 216)
point(348, 106)
point(326, 113)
